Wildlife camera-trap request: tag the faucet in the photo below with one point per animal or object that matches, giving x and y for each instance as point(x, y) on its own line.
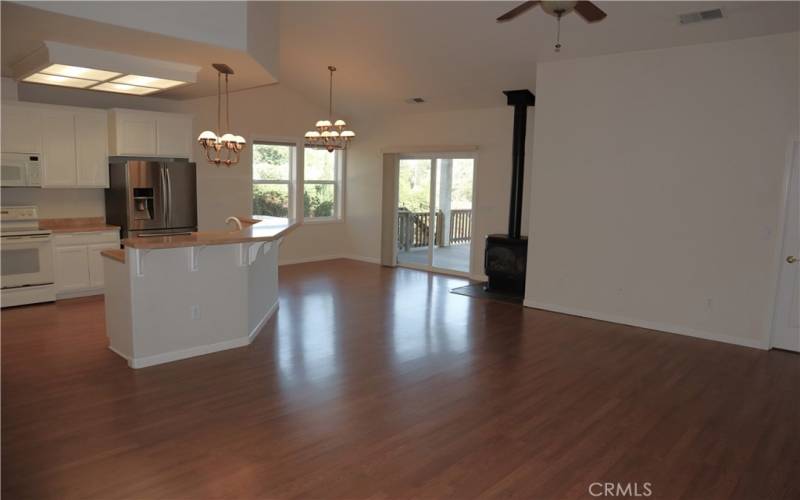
point(236, 220)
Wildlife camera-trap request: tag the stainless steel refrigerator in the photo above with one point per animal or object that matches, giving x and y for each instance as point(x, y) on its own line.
point(152, 197)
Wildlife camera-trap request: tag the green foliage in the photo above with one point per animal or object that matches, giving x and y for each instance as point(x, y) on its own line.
point(318, 200)
point(271, 200)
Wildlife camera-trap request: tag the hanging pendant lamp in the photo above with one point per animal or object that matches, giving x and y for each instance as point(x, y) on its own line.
point(212, 142)
point(330, 134)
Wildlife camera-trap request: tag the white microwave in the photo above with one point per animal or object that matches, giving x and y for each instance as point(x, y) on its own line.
point(21, 169)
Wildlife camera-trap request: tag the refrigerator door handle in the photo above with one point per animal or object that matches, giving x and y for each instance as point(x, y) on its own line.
point(169, 194)
point(164, 201)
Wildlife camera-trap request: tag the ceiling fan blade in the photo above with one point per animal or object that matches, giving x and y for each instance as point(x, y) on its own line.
point(519, 9)
point(589, 11)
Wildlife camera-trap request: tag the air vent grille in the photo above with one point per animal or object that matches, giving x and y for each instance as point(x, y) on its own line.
point(703, 15)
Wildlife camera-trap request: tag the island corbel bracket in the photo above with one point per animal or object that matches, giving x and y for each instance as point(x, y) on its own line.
point(138, 260)
point(194, 257)
point(248, 252)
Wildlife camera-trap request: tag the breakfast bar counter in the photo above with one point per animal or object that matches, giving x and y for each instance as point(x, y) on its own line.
point(175, 297)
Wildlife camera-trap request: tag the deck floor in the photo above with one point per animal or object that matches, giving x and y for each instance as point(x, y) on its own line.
point(453, 257)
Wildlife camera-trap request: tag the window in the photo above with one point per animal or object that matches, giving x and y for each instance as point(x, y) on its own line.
point(322, 191)
point(272, 178)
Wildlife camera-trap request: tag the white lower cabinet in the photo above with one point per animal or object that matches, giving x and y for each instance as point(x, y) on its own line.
point(78, 263)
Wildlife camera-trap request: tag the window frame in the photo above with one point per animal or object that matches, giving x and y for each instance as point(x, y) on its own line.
point(339, 167)
point(291, 182)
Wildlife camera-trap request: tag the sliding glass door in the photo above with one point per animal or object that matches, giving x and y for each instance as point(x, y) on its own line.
point(434, 212)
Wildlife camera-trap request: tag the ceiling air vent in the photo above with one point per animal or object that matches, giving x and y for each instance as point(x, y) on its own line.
point(703, 15)
point(415, 100)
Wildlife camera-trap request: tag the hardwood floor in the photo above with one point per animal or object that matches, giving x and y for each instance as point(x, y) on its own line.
point(377, 383)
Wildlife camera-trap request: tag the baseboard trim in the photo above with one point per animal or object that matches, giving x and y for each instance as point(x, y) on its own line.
point(650, 325)
point(79, 293)
point(321, 258)
point(255, 331)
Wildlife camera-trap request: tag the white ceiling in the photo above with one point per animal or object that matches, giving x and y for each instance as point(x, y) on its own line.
point(453, 54)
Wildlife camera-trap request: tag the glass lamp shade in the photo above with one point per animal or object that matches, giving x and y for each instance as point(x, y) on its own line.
point(326, 134)
point(239, 140)
point(333, 133)
point(312, 134)
point(207, 135)
point(348, 134)
point(323, 123)
point(340, 123)
point(228, 138)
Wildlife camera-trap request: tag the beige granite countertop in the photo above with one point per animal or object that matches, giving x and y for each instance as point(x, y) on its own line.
point(118, 255)
point(77, 225)
point(262, 229)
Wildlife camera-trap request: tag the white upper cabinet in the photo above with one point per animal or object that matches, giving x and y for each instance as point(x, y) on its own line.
point(58, 152)
point(73, 142)
point(148, 133)
point(91, 148)
point(21, 128)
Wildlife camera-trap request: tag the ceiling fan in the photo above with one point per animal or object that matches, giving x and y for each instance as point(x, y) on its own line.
point(587, 10)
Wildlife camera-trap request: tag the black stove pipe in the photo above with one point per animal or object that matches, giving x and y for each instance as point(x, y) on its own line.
point(520, 99)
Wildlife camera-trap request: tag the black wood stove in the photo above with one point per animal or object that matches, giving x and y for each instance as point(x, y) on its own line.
point(506, 254)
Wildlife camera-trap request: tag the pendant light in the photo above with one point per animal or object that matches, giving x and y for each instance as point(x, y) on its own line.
point(330, 134)
point(211, 142)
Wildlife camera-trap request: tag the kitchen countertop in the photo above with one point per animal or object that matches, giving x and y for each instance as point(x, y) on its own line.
point(262, 229)
point(77, 225)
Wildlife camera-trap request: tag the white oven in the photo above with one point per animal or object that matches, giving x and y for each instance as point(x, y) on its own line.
point(20, 169)
point(26, 258)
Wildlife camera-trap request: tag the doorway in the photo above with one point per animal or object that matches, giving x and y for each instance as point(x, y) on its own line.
point(786, 316)
point(434, 212)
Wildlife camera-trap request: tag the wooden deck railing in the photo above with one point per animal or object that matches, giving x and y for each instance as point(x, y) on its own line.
point(413, 228)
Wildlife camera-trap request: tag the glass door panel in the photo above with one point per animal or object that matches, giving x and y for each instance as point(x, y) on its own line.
point(414, 226)
point(453, 214)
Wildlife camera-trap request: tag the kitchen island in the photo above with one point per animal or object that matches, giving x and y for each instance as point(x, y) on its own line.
point(175, 297)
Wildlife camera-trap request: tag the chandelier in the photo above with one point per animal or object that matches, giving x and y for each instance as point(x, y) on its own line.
point(329, 134)
point(213, 144)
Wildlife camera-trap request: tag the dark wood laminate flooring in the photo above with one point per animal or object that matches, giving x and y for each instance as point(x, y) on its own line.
point(378, 383)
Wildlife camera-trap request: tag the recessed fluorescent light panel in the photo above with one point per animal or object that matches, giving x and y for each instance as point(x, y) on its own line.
point(148, 81)
point(122, 88)
point(78, 72)
point(54, 64)
point(61, 81)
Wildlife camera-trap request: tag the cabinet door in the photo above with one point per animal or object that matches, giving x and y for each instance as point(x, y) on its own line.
point(72, 268)
point(58, 148)
point(21, 129)
point(91, 145)
point(136, 134)
point(174, 135)
point(96, 263)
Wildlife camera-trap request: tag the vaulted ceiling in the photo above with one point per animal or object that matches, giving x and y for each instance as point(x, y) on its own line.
point(453, 54)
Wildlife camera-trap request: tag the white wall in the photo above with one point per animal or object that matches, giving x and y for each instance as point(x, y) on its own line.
point(9, 89)
point(216, 23)
point(271, 112)
point(490, 129)
point(656, 185)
